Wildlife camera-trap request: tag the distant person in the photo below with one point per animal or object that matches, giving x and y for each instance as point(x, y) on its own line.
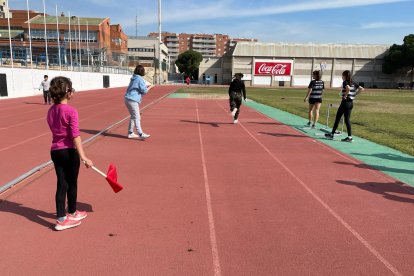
point(237, 90)
point(315, 90)
point(208, 80)
point(44, 86)
point(349, 91)
point(188, 80)
point(66, 152)
point(137, 88)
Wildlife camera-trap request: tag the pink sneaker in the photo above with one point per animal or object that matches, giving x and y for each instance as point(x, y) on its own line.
point(66, 224)
point(78, 215)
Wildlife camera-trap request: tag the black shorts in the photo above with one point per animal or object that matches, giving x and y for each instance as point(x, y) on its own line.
point(314, 101)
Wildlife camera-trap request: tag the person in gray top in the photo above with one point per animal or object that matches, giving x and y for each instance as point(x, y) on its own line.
point(44, 85)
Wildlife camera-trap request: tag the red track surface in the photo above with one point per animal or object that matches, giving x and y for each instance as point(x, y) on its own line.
point(201, 197)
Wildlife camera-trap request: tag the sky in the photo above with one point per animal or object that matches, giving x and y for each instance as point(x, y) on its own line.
point(292, 21)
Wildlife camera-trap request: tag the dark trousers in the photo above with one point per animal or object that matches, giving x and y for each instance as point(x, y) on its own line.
point(46, 96)
point(235, 102)
point(67, 164)
point(345, 109)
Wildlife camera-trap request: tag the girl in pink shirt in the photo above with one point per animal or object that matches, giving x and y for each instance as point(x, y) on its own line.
point(66, 152)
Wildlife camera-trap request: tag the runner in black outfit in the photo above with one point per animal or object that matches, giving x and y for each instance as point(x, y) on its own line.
point(235, 92)
point(349, 91)
point(315, 90)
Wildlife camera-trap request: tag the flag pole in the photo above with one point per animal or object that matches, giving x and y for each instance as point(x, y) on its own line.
point(87, 41)
point(11, 47)
point(70, 45)
point(76, 45)
point(44, 21)
point(159, 44)
point(10, 41)
point(79, 40)
point(30, 35)
point(58, 38)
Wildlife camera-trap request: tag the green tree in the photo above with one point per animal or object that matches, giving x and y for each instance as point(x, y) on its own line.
point(189, 62)
point(400, 57)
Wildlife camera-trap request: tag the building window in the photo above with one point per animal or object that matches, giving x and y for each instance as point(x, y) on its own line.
point(141, 50)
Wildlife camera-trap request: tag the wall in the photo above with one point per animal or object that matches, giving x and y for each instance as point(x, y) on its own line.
point(25, 82)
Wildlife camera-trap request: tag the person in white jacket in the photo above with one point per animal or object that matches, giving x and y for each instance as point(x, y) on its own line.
point(44, 86)
point(137, 88)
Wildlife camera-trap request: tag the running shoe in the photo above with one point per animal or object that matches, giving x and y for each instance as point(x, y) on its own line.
point(329, 136)
point(78, 215)
point(132, 135)
point(235, 121)
point(144, 136)
point(348, 139)
point(66, 224)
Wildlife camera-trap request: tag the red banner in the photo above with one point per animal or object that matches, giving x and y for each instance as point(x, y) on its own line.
point(273, 68)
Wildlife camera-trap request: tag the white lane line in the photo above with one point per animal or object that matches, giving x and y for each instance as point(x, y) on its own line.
point(213, 240)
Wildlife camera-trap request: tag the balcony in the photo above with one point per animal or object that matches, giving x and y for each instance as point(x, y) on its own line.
point(204, 40)
point(204, 46)
point(172, 39)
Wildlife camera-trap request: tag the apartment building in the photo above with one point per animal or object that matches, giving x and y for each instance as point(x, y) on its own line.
point(209, 45)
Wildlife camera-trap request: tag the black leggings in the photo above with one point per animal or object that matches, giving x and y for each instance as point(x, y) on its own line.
point(67, 163)
point(344, 109)
point(235, 102)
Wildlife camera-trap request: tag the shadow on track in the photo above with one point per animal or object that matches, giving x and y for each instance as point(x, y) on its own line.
point(387, 190)
point(213, 124)
point(283, 135)
point(378, 167)
point(34, 215)
point(106, 134)
point(388, 156)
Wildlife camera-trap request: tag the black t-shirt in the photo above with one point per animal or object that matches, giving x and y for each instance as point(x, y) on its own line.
point(317, 87)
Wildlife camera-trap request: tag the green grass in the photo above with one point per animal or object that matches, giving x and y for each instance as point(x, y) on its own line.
point(383, 116)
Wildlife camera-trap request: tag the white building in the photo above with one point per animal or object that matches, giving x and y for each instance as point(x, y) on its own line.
point(144, 50)
point(291, 64)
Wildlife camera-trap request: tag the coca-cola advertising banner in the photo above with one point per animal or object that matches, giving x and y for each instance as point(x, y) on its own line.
point(273, 67)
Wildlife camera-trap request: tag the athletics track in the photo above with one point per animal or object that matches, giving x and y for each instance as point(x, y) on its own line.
point(201, 197)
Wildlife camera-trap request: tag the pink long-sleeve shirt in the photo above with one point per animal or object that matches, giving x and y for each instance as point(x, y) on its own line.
point(63, 121)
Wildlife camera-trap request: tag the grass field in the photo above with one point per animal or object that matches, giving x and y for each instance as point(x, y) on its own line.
point(382, 116)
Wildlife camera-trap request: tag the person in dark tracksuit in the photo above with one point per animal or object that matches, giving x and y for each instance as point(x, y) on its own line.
point(237, 90)
point(315, 90)
point(349, 91)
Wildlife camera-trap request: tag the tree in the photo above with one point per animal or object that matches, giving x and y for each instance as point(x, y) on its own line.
point(189, 62)
point(400, 57)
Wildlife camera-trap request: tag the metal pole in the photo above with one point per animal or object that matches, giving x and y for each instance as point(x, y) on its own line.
point(30, 36)
point(10, 42)
point(87, 41)
point(11, 48)
point(159, 44)
point(44, 21)
point(80, 49)
point(58, 39)
point(70, 45)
